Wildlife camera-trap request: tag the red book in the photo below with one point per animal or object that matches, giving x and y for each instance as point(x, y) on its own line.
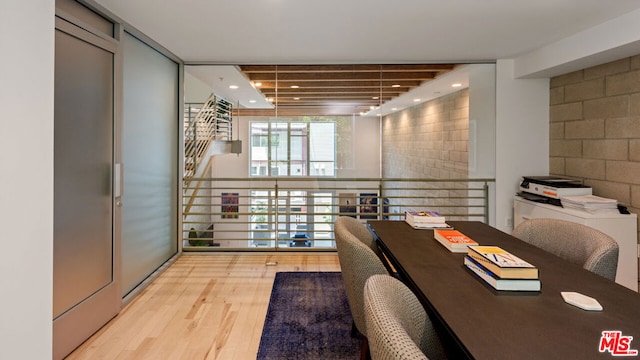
point(453, 240)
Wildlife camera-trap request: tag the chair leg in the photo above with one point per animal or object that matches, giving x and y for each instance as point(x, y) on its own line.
point(364, 349)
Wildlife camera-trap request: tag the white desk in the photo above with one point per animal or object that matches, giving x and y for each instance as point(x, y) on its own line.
point(623, 228)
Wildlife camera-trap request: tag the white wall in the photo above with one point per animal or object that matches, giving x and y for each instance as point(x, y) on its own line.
point(522, 136)
point(482, 128)
point(612, 40)
point(196, 91)
point(482, 111)
point(234, 165)
point(365, 149)
point(26, 178)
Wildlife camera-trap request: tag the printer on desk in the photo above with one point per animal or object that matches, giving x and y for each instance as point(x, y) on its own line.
point(549, 189)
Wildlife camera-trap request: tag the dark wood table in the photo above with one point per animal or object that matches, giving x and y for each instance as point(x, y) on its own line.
point(484, 323)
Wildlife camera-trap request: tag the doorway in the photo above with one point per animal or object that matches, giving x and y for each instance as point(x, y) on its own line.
point(85, 280)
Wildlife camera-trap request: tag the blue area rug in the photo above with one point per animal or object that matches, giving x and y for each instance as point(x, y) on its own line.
point(308, 318)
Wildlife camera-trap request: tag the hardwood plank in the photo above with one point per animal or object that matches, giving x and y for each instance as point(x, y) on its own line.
point(204, 306)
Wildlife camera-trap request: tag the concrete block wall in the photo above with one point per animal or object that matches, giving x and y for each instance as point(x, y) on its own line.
point(594, 129)
point(429, 140)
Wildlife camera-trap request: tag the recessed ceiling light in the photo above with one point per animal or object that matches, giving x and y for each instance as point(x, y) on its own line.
point(296, 98)
point(375, 98)
point(456, 85)
point(394, 109)
point(395, 85)
point(372, 107)
point(252, 101)
point(294, 86)
point(416, 100)
point(233, 87)
point(258, 84)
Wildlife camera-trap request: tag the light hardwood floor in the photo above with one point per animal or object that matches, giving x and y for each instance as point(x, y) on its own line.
point(204, 306)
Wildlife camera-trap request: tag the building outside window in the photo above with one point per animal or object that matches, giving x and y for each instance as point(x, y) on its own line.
point(293, 148)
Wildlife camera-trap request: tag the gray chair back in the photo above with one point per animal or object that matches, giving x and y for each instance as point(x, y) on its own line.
point(397, 324)
point(357, 229)
point(580, 244)
point(357, 262)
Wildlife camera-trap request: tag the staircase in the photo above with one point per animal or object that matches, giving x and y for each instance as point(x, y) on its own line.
point(212, 124)
point(207, 133)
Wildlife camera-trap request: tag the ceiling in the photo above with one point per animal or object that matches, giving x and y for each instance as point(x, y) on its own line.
point(349, 39)
point(330, 89)
point(360, 31)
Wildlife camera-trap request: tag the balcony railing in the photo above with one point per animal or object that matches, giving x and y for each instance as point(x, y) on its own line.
point(233, 214)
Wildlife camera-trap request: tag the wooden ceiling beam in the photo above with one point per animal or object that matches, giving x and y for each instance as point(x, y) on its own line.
point(350, 92)
point(333, 89)
point(345, 68)
point(343, 84)
point(291, 112)
point(343, 76)
point(352, 101)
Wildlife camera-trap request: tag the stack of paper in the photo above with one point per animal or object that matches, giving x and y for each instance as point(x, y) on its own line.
point(591, 203)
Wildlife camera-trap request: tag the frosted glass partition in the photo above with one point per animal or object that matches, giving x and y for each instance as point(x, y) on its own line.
point(149, 153)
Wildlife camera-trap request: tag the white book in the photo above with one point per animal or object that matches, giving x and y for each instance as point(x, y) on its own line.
point(424, 216)
point(501, 284)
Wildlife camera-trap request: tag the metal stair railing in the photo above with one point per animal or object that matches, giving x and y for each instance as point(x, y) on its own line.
point(212, 122)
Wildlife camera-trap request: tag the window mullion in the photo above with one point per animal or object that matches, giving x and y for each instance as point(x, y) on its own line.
point(289, 149)
point(308, 145)
point(269, 148)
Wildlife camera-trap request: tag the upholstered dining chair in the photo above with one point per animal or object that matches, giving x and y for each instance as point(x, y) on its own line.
point(348, 224)
point(397, 324)
point(356, 228)
point(357, 262)
point(577, 243)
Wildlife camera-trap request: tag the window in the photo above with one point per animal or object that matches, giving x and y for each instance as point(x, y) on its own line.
point(304, 148)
